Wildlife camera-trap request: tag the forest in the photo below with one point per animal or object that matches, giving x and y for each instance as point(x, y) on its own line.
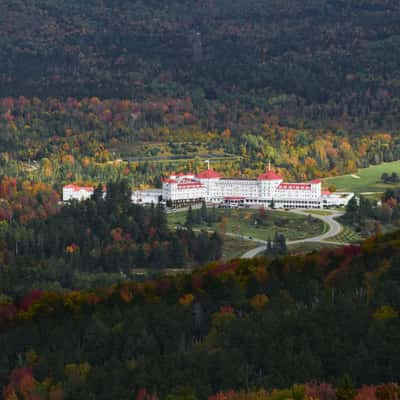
point(93, 140)
point(96, 242)
point(121, 93)
point(326, 322)
point(92, 94)
point(319, 62)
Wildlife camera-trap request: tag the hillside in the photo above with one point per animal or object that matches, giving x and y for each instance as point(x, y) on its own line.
point(311, 85)
point(240, 325)
point(305, 62)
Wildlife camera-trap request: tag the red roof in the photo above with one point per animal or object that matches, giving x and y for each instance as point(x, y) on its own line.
point(326, 192)
point(209, 174)
point(77, 188)
point(315, 181)
point(269, 176)
point(168, 180)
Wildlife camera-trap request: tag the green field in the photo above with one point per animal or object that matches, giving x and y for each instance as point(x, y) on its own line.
point(319, 212)
point(368, 181)
point(242, 222)
point(235, 248)
point(347, 235)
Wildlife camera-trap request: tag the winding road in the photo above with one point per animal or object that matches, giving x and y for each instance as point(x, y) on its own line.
point(334, 229)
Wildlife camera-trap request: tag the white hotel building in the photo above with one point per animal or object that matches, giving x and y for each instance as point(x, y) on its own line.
point(267, 190)
point(75, 192)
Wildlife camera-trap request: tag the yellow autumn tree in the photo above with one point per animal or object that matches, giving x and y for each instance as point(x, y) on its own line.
point(259, 301)
point(186, 299)
point(385, 313)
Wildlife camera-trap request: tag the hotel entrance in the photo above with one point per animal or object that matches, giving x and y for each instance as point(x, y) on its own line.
point(234, 202)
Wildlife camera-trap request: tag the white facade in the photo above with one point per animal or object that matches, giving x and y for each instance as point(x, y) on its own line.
point(183, 189)
point(268, 189)
point(74, 192)
point(337, 199)
point(147, 197)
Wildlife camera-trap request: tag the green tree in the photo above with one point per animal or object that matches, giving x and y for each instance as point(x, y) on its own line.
point(204, 212)
point(182, 393)
point(352, 209)
point(345, 389)
point(177, 252)
point(189, 217)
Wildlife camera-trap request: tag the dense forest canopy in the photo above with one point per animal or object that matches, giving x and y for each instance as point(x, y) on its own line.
point(311, 85)
point(100, 240)
point(238, 325)
point(301, 60)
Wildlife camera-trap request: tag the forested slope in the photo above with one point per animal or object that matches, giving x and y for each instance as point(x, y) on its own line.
point(314, 60)
point(239, 325)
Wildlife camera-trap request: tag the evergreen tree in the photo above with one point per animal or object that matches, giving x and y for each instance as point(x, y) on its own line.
point(352, 209)
point(282, 244)
point(198, 220)
point(272, 204)
point(189, 217)
point(278, 246)
point(204, 212)
point(140, 259)
point(345, 389)
point(213, 217)
point(98, 193)
point(177, 252)
point(394, 178)
point(160, 219)
point(365, 208)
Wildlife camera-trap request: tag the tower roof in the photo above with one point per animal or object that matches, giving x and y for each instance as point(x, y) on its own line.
point(209, 174)
point(269, 176)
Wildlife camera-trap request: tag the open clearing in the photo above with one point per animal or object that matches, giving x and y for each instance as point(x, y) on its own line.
point(235, 248)
point(347, 235)
point(243, 222)
point(366, 179)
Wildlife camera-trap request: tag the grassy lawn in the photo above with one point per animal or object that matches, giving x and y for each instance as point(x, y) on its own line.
point(347, 235)
point(179, 153)
point(235, 248)
point(319, 212)
point(368, 181)
point(242, 222)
